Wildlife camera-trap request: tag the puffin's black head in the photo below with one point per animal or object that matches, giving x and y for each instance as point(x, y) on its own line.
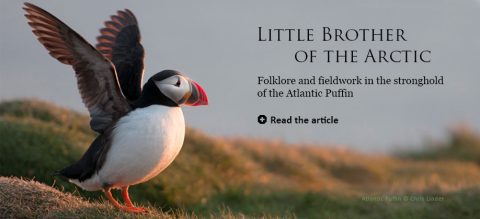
point(171, 88)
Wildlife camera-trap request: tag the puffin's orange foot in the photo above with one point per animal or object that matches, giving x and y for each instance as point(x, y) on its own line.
point(129, 205)
point(134, 209)
point(129, 208)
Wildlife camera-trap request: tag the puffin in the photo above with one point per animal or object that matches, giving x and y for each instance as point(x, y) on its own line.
point(140, 130)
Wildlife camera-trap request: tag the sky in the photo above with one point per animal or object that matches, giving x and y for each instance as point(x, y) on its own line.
point(216, 44)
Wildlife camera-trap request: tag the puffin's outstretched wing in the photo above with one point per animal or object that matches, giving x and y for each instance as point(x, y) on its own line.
point(96, 76)
point(120, 42)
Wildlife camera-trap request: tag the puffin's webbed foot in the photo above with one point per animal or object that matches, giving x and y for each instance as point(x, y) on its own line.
point(134, 209)
point(129, 206)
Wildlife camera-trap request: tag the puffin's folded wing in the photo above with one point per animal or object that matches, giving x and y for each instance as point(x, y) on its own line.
point(96, 76)
point(120, 42)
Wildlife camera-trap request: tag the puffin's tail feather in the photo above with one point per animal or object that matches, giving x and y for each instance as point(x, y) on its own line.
point(86, 166)
point(71, 172)
point(56, 173)
point(59, 174)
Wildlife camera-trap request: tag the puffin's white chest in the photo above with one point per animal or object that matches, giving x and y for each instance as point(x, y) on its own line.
point(144, 143)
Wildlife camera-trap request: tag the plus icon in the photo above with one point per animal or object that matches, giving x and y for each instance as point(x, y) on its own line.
point(262, 119)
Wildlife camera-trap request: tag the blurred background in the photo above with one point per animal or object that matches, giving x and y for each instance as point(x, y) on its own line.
point(391, 141)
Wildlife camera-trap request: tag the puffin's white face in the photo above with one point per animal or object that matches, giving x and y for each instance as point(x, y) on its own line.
point(182, 90)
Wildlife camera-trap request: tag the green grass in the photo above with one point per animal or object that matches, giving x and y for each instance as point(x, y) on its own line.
point(236, 177)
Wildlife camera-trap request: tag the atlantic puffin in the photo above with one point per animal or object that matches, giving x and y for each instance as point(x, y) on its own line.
point(140, 129)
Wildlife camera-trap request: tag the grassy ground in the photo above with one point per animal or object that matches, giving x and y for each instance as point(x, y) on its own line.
point(30, 199)
point(246, 177)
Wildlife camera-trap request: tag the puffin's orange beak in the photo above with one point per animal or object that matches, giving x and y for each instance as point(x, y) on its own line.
point(198, 96)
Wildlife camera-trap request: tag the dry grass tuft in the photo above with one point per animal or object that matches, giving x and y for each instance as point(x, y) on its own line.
point(31, 199)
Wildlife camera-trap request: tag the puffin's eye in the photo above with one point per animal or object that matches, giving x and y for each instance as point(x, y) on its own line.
point(178, 83)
